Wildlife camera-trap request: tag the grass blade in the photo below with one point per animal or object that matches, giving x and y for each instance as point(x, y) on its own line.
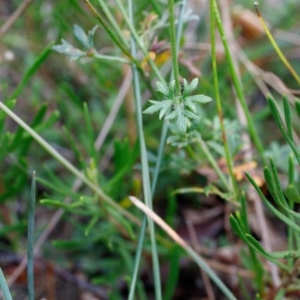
point(4, 286)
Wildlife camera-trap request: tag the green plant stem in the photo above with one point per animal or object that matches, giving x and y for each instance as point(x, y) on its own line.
point(112, 58)
point(206, 268)
point(145, 166)
point(30, 240)
point(139, 42)
point(164, 131)
point(174, 46)
point(274, 44)
point(228, 156)
point(156, 170)
point(137, 259)
point(112, 21)
point(108, 29)
point(238, 85)
point(68, 165)
point(120, 45)
point(4, 286)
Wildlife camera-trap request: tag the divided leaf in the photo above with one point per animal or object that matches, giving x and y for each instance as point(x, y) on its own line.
point(189, 87)
point(81, 36)
point(158, 105)
point(68, 49)
point(162, 88)
point(199, 98)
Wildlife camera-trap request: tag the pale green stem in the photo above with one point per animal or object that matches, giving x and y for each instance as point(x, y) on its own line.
point(108, 28)
point(145, 166)
point(4, 286)
point(30, 239)
point(112, 21)
point(218, 100)
point(155, 174)
point(139, 41)
point(174, 47)
point(238, 86)
point(112, 58)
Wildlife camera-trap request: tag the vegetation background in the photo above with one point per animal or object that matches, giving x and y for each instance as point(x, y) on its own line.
point(84, 108)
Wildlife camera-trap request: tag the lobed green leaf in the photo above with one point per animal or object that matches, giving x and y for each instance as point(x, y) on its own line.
point(181, 121)
point(162, 88)
point(67, 49)
point(81, 36)
point(199, 98)
point(188, 88)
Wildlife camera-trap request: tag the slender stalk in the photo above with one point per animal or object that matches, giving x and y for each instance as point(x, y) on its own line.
point(228, 157)
point(274, 44)
point(138, 41)
point(164, 131)
point(112, 21)
point(174, 46)
point(108, 29)
point(145, 167)
point(156, 171)
point(30, 245)
point(112, 58)
point(123, 48)
point(4, 286)
point(238, 85)
point(137, 259)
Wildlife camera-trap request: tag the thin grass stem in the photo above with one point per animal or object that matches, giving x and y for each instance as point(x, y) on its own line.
point(112, 21)
point(145, 166)
point(138, 41)
point(228, 156)
point(156, 170)
point(112, 58)
point(108, 29)
point(174, 46)
point(137, 259)
point(238, 86)
point(4, 286)
point(30, 240)
point(274, 44)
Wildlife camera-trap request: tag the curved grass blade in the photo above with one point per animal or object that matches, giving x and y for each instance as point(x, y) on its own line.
point(274, 44)
point(275, 113)
point(288, 119)
point(4, 286)
point(275, 211)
